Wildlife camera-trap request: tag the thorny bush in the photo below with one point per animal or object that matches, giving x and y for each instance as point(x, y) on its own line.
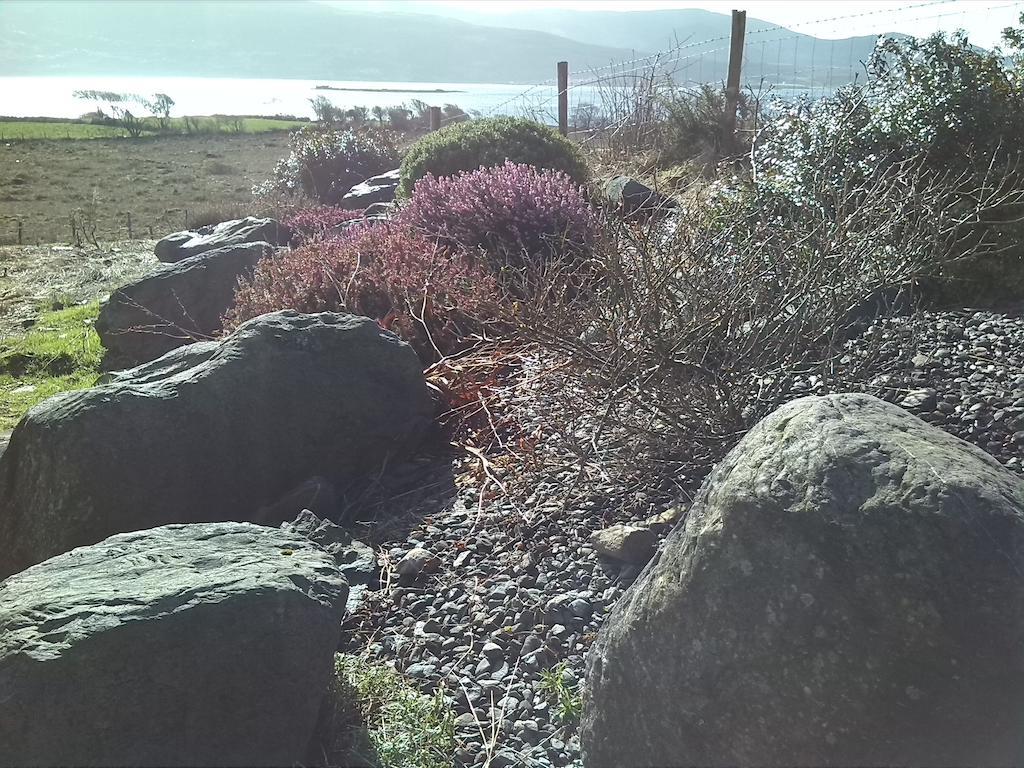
point(704, 323)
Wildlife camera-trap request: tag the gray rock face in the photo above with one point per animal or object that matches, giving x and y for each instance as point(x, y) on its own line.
point(846, 590)
point(378, 189)
point(177, 304)
point(182, 245)
point(356, 560)
point(182, 645)
point(210, 435)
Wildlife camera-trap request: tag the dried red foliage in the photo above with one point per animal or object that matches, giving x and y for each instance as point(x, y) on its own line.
point(317, 221)
point(437, 300)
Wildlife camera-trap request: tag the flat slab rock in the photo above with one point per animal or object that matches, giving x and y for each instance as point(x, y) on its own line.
point(377, 189)
point(207, 644)
point(191, 242)
point(846, 590)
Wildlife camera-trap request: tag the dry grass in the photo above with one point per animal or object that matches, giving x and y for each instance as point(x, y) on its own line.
point(100, 181)
point(41, 278)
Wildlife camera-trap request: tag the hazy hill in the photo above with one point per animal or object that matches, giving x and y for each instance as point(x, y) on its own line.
point(779, 55)
point(340, 41)
point(270, 38)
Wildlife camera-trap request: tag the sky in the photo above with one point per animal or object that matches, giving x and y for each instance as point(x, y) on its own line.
point(983, 20)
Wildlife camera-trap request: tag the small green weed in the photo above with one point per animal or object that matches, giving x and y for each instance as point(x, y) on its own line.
point(378, 720)
point(61, 352)
point(565, 697)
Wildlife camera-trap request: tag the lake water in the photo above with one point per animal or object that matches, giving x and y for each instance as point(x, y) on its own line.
point(54, 96)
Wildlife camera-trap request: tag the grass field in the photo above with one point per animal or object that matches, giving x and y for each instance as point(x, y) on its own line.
point(59, 353)
point(19, 130)
point(162, 181)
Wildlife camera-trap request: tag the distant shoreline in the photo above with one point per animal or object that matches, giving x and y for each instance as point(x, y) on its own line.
point(384, 90)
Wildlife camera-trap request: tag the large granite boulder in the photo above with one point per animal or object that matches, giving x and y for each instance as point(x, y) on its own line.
point(182, 245)
point(209, 434)
point(208, 644)
point(176, 304)
point(378, 189)
point(847, 589)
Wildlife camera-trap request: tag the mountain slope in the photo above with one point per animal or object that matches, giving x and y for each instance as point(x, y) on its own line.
point(780, 56)
point(274, 39)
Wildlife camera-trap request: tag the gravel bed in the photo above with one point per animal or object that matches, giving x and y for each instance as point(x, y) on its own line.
point(479, 599)
point(960, 371)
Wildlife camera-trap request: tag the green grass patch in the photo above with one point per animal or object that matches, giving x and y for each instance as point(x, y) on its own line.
point(61, 352)
point(72, 129)
point(378, 720)
point(17, 130)
point(268, 124)
point(564, 696)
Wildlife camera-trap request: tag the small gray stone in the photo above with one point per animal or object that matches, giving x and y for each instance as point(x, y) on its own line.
point(416, 561)
point(421, 670)
point(920, 399)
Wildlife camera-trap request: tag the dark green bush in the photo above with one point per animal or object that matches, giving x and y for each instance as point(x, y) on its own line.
point(468, 146)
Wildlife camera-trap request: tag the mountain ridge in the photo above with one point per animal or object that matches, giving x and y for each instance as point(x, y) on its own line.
point(318, 39)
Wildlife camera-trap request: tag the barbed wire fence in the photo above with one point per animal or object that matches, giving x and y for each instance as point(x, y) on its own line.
point(779, 64)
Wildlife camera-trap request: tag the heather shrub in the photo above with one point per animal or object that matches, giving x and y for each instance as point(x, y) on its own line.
point(467, 146)
point(431, 297)
point(317, 221)
point(512, 214)
point(324, 164)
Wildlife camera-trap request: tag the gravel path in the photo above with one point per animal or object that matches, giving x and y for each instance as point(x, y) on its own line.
point(494, 594)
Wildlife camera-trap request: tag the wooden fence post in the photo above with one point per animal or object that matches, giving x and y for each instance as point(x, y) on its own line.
point(435, 119)
point(563, 98)
point(19, 231)
point(130, 226)
point(732, 87)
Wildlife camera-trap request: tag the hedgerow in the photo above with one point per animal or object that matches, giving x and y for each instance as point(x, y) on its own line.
point(949, 109)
